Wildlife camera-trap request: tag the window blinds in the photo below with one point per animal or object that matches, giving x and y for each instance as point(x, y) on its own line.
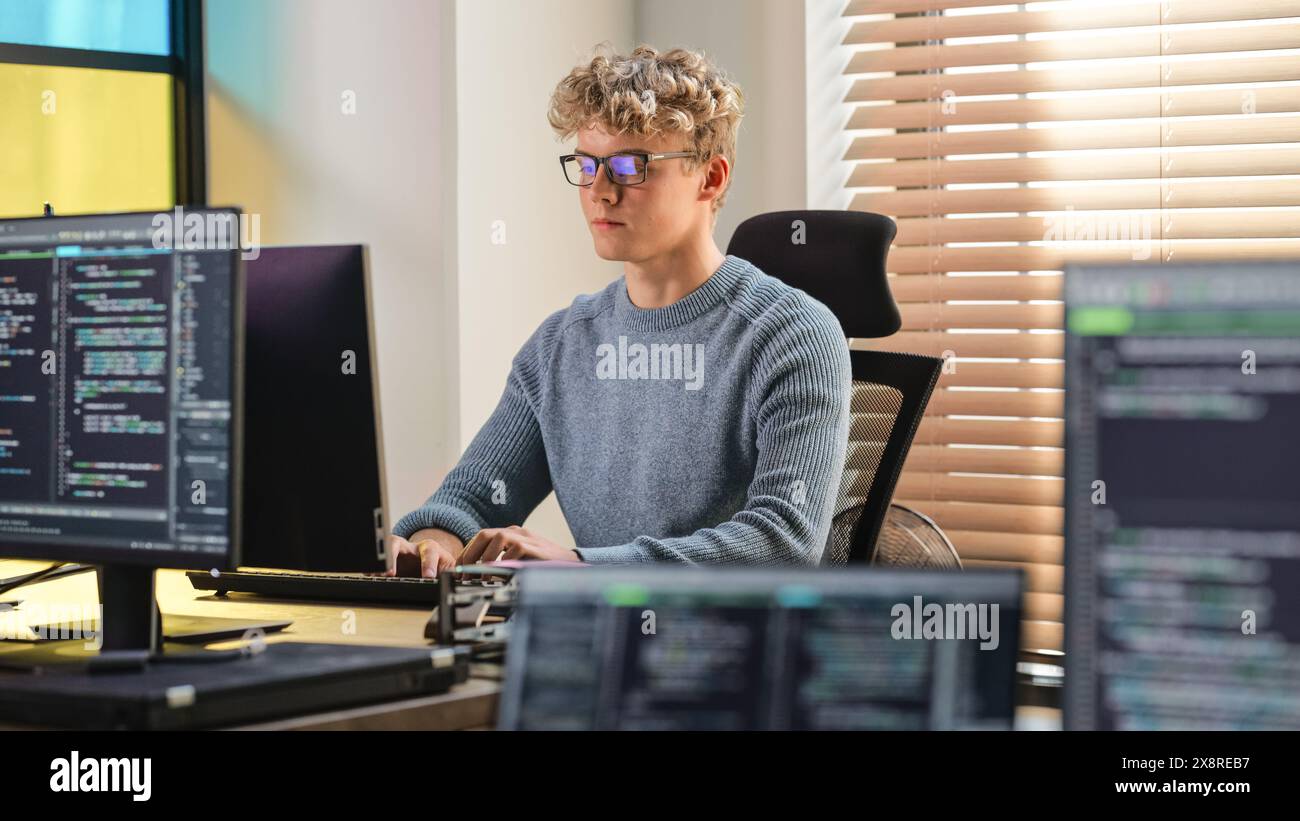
point(1009, 140)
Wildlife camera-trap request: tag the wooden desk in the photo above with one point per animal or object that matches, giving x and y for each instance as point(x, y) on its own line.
point(471, 705)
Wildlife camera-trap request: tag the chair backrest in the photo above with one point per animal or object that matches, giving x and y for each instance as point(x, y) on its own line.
point(838, 257)
point(890, 392)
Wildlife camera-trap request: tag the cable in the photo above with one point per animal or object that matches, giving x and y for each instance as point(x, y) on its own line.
point(54, 571)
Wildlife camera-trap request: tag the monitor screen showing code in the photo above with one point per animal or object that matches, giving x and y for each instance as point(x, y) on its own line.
point(115, 412)
point(1183, 508)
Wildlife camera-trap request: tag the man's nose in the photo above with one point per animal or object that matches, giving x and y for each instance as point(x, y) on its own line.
point(603, 189)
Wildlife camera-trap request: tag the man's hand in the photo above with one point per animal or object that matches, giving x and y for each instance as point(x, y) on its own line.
point(425, 554)
point(513, 542)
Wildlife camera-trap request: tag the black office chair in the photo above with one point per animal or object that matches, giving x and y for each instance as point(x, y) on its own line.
point(838, 257)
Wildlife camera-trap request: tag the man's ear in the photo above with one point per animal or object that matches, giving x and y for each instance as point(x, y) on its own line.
point(716, 174)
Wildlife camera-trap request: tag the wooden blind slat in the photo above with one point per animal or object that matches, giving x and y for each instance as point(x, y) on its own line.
point(957, 516)
point(922, 315)
point(997, 403)
point(1011, 547)
point(1003, 490)
point(1042, 635)
point(1010, 402)
point(1008, 413)
point(1019, 345)
point(1112, 74)
point(1039, 578)
point(1283, 191)
point(1217, 224)
point(1164, 133)
point(1113, 166)
point(1068, 18)
point(1044, 607)
point(1004, 375)
point(941, 287)
point(1153, 43)
point(929, 458)
point(861, 7)
point(946, 430)
point(1122, 248)
point(1180, 102)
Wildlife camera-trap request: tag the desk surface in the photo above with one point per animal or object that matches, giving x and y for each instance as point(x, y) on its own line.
point(466, 706)
point(471, 705)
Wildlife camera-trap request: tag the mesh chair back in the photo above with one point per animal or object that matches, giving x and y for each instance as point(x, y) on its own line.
point(838, 257)
point(890, 393)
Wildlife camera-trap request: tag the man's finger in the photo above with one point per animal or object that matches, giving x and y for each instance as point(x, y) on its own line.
point(475, 547)
point(406, 561)
point(429, 554)
point(446, 561)
point(495, 547)
point(391, 548)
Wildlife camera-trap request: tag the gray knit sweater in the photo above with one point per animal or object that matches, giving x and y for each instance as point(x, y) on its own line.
point(710, 430)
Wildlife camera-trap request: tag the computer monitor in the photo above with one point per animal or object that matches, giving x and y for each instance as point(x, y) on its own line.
point(1182, 505)
point(313, 488)
point(120, 341)
point(671, 647)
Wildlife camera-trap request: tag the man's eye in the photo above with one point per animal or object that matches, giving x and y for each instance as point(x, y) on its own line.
point(623, 165)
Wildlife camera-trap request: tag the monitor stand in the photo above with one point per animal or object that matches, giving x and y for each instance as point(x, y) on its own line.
point(129, 632)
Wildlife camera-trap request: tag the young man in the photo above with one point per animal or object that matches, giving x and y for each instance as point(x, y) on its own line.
point(695, 410)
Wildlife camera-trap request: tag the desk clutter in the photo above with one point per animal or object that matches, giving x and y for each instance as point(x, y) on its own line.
point(189, 688)
point(474, 609)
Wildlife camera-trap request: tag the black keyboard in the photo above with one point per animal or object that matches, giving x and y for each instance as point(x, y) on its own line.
point(331, 587)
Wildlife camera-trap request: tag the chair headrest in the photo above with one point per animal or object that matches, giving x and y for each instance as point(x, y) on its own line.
point(837, 257)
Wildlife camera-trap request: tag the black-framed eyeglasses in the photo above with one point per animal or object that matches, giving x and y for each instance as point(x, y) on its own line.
point(624, 168)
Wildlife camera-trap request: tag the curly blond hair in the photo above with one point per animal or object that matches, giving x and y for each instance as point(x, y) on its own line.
point(646, 93)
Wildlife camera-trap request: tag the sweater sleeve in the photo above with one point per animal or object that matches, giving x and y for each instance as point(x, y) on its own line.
point(800, 393)
point(503, 474)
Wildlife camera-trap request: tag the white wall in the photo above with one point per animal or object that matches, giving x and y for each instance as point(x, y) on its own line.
point(442, 88)
point(280, 145)
point(760, 44)
point(827, 113)
point(510, 56)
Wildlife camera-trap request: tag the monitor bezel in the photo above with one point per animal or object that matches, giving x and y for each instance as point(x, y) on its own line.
point(373, 561)
point(1003, 585)
point(19, 547)
point(1081, 698)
